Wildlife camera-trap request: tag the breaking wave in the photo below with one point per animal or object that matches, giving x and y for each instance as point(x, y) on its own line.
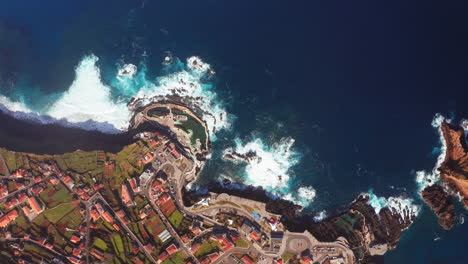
point(92, 105)
point(397, 203)
point(270, 166)
point(320, 216)
point(89, 99)
point(423, 178)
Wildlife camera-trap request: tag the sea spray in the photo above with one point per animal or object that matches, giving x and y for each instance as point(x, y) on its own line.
point(425, 179)
point(399, 204)
point(191, 85)
point(92, 105)
point(269, 166)
point(89, 99)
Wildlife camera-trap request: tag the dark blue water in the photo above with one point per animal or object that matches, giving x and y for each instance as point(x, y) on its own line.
point(356, 84)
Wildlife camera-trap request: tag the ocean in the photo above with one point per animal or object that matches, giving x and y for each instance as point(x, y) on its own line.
point(336, 97)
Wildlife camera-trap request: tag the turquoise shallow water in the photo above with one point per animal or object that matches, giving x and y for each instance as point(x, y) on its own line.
point(355, 85)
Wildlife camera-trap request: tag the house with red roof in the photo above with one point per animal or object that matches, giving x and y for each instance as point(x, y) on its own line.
point(172, 249)
point(116, 227)
point(10, 216)
point(247, 260)
point(306, 260)
point(254, 235)
point(163, 256)
point(35, 205)
point(73, 259)
point(22, 197)
point(164, 198)
point(74, 239)
point(94, 214)
point(18, 174)
point(278, 261)
point(213, 256)
point(173, 150)
point(107, 216)
point(225, 244)
point(3, 190)
point(195, 247)
point(133, 185)
point(126, 198)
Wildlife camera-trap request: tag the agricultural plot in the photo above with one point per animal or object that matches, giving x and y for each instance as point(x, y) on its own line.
point(54, 195)
point(176, 218)
point(177, 258)
point(58, 212)
point(206, 248)
point(154, 225)
point(81, 161)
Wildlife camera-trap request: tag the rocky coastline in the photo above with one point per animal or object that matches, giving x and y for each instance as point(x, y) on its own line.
point(441, 204)
point(363, 228)
point(32, 137)
point(454, 169)
point(453, 175)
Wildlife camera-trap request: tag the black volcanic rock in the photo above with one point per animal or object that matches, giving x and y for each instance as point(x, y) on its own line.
point(440, 202)
point(358, 223)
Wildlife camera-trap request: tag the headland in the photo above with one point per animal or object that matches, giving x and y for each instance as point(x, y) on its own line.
point(132, 206)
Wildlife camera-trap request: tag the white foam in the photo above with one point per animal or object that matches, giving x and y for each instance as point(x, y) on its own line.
point(464, 125)
point(189, 84)
point(89, 99)
point(270, 167)
point(127, 71)
point(399, 204)
point(320, 216)
point(304, 196)
point(423, 178)
point(88, 103)
point(13, 106)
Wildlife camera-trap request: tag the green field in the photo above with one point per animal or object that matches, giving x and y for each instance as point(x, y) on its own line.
point(54, 195)
point(205, 249)
point(80, 161)
point(118, 246)
point(177, 258)
point(242, 243)
point(176, 218)
point(100, 244)
point(55, 214)
point(287, 256)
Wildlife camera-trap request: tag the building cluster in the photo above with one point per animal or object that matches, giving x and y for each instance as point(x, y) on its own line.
point(171, 249)
point(225, 239)
point(128, 193)
point(21, 191)
point(8, 218)
point(100, 210)
point(79, 244)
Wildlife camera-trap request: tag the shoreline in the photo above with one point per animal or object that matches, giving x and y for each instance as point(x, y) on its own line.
point(32, 137)
point(357, 222)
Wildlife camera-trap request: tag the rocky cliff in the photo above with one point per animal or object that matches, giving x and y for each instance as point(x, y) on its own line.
point(453, 176)
point(442, 205)
point(454, 169)
point(363, 227)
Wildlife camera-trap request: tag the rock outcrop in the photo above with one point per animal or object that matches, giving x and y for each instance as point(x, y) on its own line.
point(442, 205)
point(454, 169)
point(234, 156)
point(369, 234)
point(363, 227)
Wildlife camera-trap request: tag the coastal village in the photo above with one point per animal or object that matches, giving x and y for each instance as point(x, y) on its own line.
point(127, 207)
